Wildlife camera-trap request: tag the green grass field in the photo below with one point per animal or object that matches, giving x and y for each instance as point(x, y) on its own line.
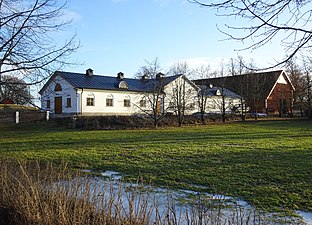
point(268, 163)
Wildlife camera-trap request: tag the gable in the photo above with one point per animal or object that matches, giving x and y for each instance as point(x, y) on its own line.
point(287, 80)
point(179, 79)
point(281, 79)
point(56, 83)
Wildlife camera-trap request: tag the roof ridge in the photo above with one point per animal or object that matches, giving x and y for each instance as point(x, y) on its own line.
point(111, 76)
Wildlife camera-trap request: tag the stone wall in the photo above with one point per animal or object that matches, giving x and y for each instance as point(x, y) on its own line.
point(23, 116)
point(132, 122)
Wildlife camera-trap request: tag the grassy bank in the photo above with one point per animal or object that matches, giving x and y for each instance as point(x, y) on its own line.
point(268, 163)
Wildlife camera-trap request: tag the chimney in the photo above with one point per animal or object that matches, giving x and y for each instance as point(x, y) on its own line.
point(120, 76)
point(144, 77)
point(159, 76)
point(89, 72)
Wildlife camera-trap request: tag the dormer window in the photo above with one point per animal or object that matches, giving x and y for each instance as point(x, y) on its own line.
point(58, 87)
point(123, 85)
point(218, 92)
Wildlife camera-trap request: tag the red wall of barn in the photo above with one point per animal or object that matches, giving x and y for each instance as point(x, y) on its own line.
point(281, 97)
point(260, 106)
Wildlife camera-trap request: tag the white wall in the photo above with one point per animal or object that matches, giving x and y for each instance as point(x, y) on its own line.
point(190, 95)
point(67, 92)
point(100, 97)
point(214, 104)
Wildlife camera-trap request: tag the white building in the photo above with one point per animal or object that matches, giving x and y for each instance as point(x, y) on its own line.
point(215, 97)
point(68, 93)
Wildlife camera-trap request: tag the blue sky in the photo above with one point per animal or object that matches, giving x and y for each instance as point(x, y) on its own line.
point(119, 35)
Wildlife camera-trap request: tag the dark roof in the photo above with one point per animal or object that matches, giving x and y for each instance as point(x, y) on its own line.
point(80, 80)
point(212, 91)
point(226, 92)
point(264, 82)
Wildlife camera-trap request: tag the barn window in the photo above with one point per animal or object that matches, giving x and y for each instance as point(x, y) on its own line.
point(143, 103)
point(214, 105)
point(126, 102)
point(90, 101)
point(192, 106)
point(68, 102)
point(48, 104)
point(58, 87)
point(110, 100)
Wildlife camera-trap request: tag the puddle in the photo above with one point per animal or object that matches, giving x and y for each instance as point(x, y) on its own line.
point(306, 216)
point(183, 200)
point(182, 206)
point(112, 175)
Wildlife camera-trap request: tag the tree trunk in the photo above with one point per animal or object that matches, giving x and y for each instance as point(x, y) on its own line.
point(202, 118)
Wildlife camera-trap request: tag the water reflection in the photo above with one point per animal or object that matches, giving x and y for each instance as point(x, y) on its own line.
point(157, 205)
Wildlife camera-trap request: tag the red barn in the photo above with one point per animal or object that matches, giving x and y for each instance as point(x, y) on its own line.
point(7, 101)
point(265, 92)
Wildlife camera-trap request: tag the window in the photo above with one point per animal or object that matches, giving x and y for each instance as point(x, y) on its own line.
point(68, 102)
point(192, 106)
point(126, 102)
point(48, 104)
point(109, 102)
point(143, 103)
point(214, 105)
point(123, 85)
point(58, 87)
point(90, 101)
point(171, 104)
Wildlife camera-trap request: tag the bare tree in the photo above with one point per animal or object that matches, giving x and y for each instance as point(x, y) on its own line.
point(300, 75)
point(182, 96)
point(267, 21)
point(27, 47)
point(251, 87)
point(295, 74)
point(154, 96)
point(15, 90)
point(180, 68)
point(309, 94)
point(237, 68)
point(202, 73)
point(221, 85)
point(307, 79)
